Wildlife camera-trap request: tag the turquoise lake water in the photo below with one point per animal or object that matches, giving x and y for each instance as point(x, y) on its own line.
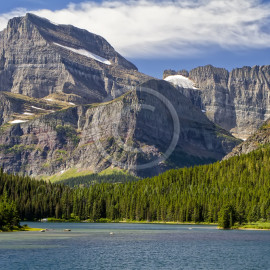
point(134, 246)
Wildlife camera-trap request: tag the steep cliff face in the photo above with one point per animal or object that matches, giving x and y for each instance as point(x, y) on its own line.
point(238, 100)
point(259, 139)
point(136, 131)
point(39, 58)
point(7, 109)
point(250, 88)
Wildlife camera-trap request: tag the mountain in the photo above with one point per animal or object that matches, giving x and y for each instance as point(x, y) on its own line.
point(260, 139)
point(238, 101)
point(123, 132)
point(39, 58)
point(71, 102)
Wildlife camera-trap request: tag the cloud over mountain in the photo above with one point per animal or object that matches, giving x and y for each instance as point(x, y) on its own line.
point(168, 28)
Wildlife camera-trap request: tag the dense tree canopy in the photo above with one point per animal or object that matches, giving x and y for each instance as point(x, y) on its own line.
point(9, 218)
point(235, 190)
point(89, 180)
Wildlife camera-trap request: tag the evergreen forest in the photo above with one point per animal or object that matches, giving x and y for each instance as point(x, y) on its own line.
point(229, 192)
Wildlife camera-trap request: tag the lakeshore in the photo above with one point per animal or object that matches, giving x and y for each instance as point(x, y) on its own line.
point(21, 229)
point(248, 226)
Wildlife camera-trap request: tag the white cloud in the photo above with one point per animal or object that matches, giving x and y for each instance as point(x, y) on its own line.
point(168, 28)
point(6, 16)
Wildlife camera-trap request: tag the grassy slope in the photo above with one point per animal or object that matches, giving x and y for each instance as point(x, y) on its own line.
point(34, 106)
point(73, 173)
point(67, 174)
point(42, 103)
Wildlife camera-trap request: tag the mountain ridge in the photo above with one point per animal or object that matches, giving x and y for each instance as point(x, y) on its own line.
point(238, 101)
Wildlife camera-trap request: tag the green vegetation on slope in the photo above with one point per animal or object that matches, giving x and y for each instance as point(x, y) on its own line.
point(230, 192)
point(42, 103)
point(28, 108)
point(68, 174)
point(75, 177)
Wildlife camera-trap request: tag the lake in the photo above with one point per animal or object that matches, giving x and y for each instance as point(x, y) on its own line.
point(134, 246)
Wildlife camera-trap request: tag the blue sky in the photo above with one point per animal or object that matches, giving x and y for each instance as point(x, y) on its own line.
point(167, 34)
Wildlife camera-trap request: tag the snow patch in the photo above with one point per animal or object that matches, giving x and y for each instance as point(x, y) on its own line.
point(86, 53)
point(49, 99)
point(181, 81)
point(28, 113)
point(62, 171)
point(17, 121)
point(71, 103)
point(38, 108)
point(204, 111)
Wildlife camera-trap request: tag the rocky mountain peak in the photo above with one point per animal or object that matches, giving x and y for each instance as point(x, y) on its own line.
point(170, 72)
point(208, 77)
point(69, 36)
point(237, 100)
point(39, 58)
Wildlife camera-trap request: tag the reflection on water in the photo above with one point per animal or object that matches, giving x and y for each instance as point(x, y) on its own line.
point(134, 246)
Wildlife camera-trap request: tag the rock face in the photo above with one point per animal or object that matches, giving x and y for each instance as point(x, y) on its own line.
point(170, 72)
point(260, 138)
point(7, 109)
point(238, 101)
point(39, 58)
point(132, 132)
point(71, 101)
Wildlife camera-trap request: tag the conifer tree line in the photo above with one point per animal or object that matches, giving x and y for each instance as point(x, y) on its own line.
point(235, 190)
point(9, 217)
